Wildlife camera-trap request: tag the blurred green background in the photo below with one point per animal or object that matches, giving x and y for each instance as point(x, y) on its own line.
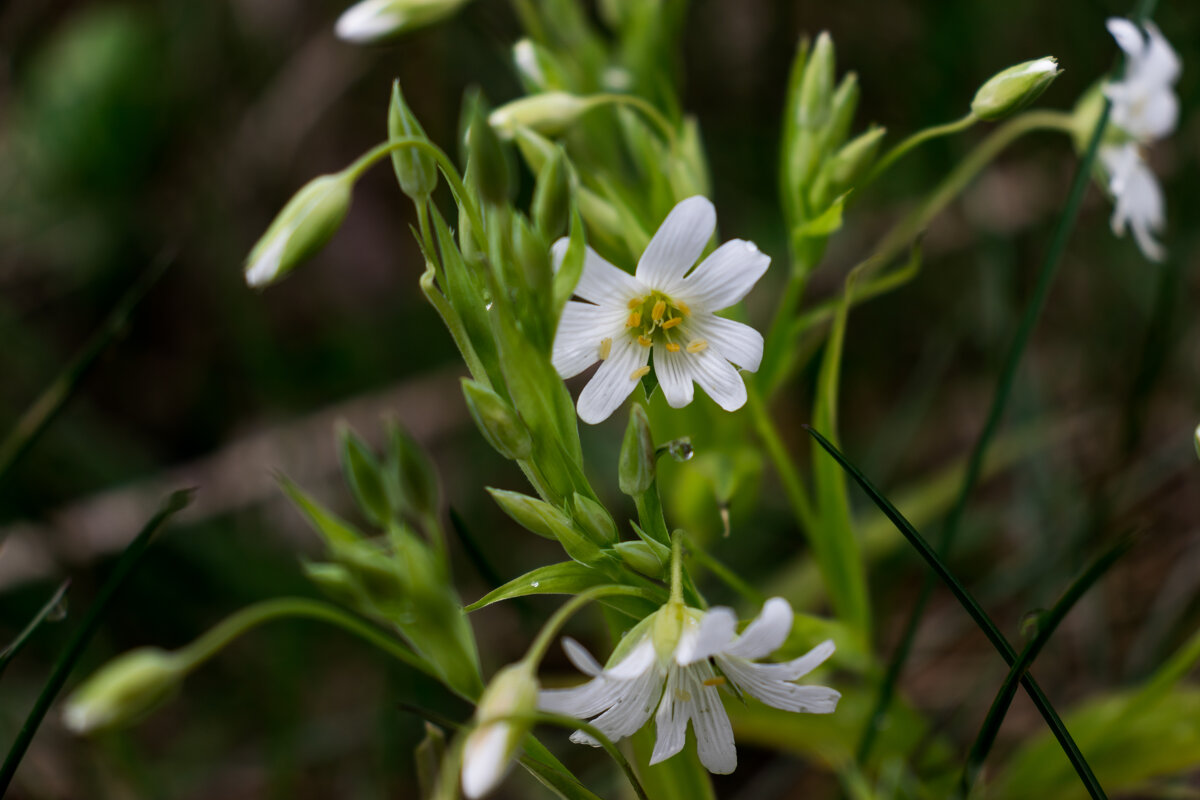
point(134, 130)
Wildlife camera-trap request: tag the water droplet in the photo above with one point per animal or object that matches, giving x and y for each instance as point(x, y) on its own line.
point(488, 306)
point(681, 449)
point(536, 584)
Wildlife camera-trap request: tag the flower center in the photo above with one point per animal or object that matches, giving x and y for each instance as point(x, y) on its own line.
point(656, 318)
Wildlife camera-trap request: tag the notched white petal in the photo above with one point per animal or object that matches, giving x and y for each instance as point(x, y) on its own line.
point(678, 243)
point(580, 658)
point(718, 379)
point(716, 630)
point(737, 342)
point(600, 282)
point(725, 277)
point(581, 329)
point(766, 633)
point(613, 382)
point(674, 376)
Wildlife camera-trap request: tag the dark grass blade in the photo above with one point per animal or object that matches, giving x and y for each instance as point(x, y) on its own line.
point(45, 408)
point(91, 621)
point(976, 613)
point(1004, 384)
point(1046, 627)
point(10, 652)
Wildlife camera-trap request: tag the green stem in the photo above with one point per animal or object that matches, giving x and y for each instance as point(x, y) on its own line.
point(643, 106)
point(55, 602)
point(453, 323)
point(793, 487)
point(676, 569)
point(920, 137)
point(537, 650)
point(571, 723)
point(724, 573)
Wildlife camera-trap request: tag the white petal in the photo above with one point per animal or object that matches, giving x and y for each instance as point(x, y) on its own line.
point(600, 282)
point(670, 723)
point(580, 330)
point(603, 691)
point(485, 759)
point(678, 243)
point(714, 734)
point(725, 277)
point(1129, 37)
point(613, 382)
point(798, 667)
point(717, 378)
point(757, 681)
point(766, 633)
point(738, 343)
point(578, 655)
point(674, 376)
point(1151, 248)
point(1161, 62)
point(631, 710)
point(1159, 115)
point(639, 660)
point(716, 630)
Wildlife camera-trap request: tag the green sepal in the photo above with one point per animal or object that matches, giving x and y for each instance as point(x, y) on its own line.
point(415, 169)
point(365, 478)
point(638, 461)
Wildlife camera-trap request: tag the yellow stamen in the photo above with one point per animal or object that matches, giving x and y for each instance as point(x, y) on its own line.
point(683, 307)
point(659, 309)
point(636, 303)
point(715, 681)
point(671, 323)
point(672, 347)
point(605, 348)
point(645, 341)
point(639, 372)
point(697, 346)
point(634, 320)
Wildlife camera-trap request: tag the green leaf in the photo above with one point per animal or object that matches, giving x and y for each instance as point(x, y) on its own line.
point(567, 577)
point(571, 268)
point(332, 529)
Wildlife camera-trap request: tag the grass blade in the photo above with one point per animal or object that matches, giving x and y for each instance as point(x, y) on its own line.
point(91, 621)
point(45, 408)
point(976, 613)
point(10, 652)
point(1049, 623)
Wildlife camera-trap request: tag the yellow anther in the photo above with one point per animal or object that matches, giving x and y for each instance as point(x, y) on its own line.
point(645, 341)
point(639, 372)
point(671, 323)
point(697, 346)
point(636, 302)
point(659, 309)
point(672, 347)
point(634, 320)
point(683, 307)
point(605, 348)
point(717, 680)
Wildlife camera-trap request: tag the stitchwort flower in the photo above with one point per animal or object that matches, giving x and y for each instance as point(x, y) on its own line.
point(1137, 197)
point(675, 661)
point(666, 308)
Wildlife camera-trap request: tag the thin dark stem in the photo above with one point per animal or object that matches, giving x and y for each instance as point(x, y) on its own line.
point(976, 612)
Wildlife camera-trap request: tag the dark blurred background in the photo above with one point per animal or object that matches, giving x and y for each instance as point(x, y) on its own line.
point(134, 131)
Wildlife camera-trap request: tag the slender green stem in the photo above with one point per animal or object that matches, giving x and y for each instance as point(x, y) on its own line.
point(645, 107)
point(676, 569)
point(793, 487)
point(1046, 627)
point(87, 629)
point(537, 650)
point(920, 137)
point(571, 723)
point(976, 612)
point(453, 323)
point(724, 573)
point(10, 652)
point(241, 622)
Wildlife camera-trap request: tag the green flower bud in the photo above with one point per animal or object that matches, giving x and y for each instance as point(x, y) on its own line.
point(378, 20)
point(1014, 88)
point(538, 69)
point(548, 113)
point(415, 169)
point(545, 520)
point(594, 519)
point(124, 690)
point(306, 223)
point(497, 421)
point(488, 165)
point(816, 88)
point(415, 478)
point(638, 463)
point(365, 478)
point(641, 556)
point(490, 748)
point(336, 582)
point(844, 169)
point(552, 197)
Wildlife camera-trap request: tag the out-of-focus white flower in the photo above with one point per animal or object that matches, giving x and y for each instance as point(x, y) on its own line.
point(665, 308)
point(375, 20)
point(1137, 197)
point(489, 749)
point(1144, 104)
point(670, 662)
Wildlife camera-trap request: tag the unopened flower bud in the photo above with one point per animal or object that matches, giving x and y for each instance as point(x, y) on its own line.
point(306, 223)
point(377, 20)
point(642, 557)
point(491, 746)
point(552, 197)
point(415, 169)
point(594, 519)
point(488, 165)
point(538, 69)
point(414, 473)
point(123, 690)
point(549, 113)
point(854, 159)
point(638, 465)
point(545, 520)
point(497, 421)
point(1014, 88)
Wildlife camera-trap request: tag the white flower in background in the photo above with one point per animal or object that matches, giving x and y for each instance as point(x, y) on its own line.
point(665, 308)
point(1137, 197)
point(670, 661)
point(1143, 101)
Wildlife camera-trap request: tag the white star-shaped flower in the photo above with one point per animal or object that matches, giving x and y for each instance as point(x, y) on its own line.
point(665, 308)
point(1144, 104)
point(670, 662)
point(1137, 197)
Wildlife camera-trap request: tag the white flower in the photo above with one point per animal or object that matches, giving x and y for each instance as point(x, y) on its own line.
point(669, 661)
point(1143, 101)
point(491, 746)
point(666, 308)
point(1137, 197)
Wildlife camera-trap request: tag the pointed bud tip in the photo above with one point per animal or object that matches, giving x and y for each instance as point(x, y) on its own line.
point(1010, 90)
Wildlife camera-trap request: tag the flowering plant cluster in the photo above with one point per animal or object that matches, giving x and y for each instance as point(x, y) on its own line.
point(615, 262)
